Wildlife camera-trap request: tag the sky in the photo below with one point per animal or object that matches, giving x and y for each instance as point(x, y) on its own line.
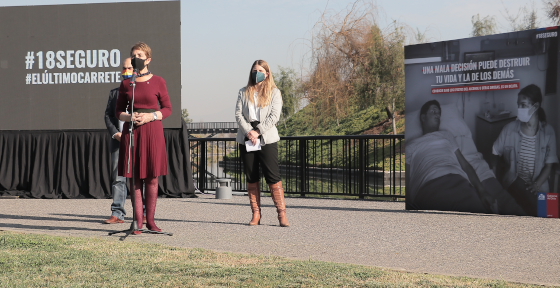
point(220, 39)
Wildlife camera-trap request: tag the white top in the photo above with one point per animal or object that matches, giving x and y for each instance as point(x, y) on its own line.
point(432, 156)
point(254, 110)
point(269, 116)
point(121, 123)
point(526, 163)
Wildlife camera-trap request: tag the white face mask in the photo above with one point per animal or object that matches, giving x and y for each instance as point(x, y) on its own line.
point(524, 114)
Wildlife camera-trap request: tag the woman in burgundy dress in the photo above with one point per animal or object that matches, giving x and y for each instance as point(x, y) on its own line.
point(150, 159)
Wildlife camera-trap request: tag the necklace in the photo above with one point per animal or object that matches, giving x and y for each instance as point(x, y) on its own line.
point(147, 73)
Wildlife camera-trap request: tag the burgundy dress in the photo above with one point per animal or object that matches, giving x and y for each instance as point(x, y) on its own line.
point(149, 142)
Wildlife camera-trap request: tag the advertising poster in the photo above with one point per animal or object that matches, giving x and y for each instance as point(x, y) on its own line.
point(59, 62)
point(482, 124)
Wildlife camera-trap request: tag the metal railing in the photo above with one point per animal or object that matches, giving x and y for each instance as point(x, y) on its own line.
point(361, 165)
point(211, 125)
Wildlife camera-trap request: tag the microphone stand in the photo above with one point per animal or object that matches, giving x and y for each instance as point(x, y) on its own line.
point(134, 224)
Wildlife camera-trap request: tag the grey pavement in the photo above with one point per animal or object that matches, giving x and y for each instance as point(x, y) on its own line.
point(373, 233)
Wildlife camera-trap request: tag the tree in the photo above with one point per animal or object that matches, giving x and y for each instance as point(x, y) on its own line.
point(552, 10)
point(355, 64)
point(185, 116)
point(484, 26)
point(336, 47)
point(289, 86)
point(525, 18)
point(421, 37)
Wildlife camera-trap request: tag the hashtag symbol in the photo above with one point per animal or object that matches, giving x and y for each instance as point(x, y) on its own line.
point(29, 60)
point(28, 79)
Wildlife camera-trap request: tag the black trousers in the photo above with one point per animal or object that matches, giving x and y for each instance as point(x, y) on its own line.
point(451, 192)
point(525, 199)
point(266, 159)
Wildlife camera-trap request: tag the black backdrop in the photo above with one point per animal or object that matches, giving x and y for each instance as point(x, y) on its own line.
point(29, 34)
point(76, 164)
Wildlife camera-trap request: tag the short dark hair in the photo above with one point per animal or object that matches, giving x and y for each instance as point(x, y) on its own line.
point(426, 106)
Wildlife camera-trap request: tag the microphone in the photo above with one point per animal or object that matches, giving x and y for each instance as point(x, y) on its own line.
point(134, 75)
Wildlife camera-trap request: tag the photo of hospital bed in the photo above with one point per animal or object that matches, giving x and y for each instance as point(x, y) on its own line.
point(451, 120)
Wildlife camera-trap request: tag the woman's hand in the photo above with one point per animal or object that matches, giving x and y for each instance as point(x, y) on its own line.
point(253, 136)
point(142, 118)
point(533, 187)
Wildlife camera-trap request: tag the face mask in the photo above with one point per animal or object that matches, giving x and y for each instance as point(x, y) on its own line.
point(524, 114)
point(126, 74)
point(257, 76)
point(138, 63)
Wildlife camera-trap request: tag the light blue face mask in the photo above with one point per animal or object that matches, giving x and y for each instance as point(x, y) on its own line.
point(258, 76)
point(524, 114)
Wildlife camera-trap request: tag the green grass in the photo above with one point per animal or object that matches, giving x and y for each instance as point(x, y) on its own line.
point(345, 197)
point(344, 153)
point(325, 186)
point(30, 260)
point(303, 123)
point(318, 185)
point(341, 153)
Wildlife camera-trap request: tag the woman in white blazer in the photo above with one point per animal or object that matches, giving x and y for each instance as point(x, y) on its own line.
point(258, 109)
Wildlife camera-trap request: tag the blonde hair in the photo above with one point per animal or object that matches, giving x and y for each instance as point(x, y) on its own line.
point(142, 47)
point(265, 95)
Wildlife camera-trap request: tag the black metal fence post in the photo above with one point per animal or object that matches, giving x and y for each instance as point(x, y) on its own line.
point(362, 168)
point(202, 166)
point(303, 166)
point(394, 168)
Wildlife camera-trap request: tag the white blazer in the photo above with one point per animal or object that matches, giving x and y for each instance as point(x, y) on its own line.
point(269, 116)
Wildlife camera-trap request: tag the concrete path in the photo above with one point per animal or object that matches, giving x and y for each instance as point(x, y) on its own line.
point(384, 234)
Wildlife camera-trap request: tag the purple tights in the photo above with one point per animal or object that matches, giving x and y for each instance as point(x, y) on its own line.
point(150, 197)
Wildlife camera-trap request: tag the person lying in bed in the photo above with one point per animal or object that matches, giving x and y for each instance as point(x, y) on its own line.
point(438, 177)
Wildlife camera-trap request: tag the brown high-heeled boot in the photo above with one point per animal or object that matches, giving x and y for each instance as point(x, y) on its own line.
point(255, 199)
point(277, 194)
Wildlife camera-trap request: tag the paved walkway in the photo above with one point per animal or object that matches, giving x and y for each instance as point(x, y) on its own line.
point(384, 234)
